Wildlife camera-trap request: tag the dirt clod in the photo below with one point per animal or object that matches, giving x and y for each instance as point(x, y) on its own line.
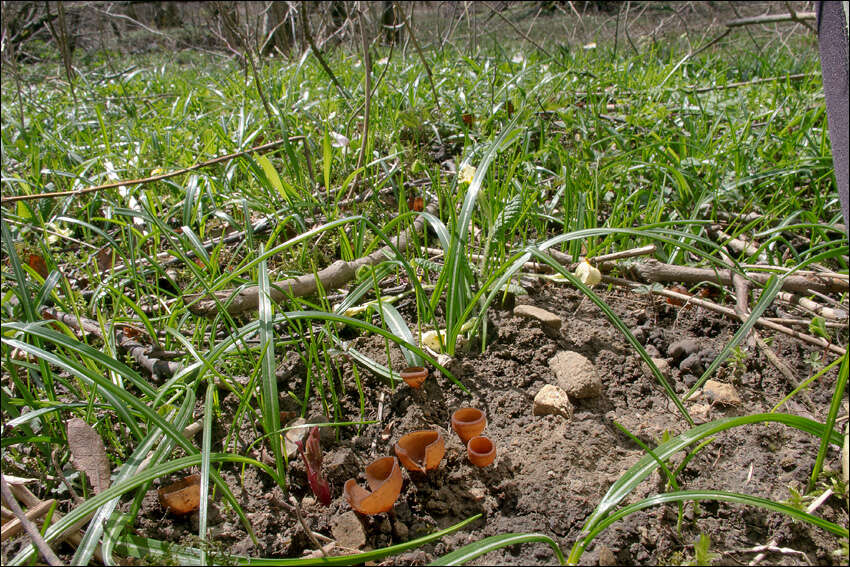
point(347, 530)
point(549, 320)
point(683, 348)
point(576, 375)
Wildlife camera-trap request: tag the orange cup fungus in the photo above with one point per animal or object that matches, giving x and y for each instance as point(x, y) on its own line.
point(481, 451)
point(421, 450)
point(468, 422)
point(384, 479)
point(181, 497)
point(414, 376)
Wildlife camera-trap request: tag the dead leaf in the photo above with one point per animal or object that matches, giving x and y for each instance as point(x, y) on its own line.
point(37, 263)
point(181, 497)
point(88, 455)
point(416, 204)
point(105, 258)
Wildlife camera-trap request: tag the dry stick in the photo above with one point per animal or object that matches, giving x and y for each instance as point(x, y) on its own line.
point(809, 510)
point(809, 305)
point(158, 368)
point(364, 135)
point(30, 528)
point(333, 277)
point(71, 535)
point(304, 526)
point(771, 19)
point(737, 245)
point(318, 52)
point(794, 77)
point(805, 322)
point(743, 311)
point(531, 41)
point(654, 271)
point(600, 261)
point(13, 528)
point(128, 182)
point(412, 36)
point(816, 341)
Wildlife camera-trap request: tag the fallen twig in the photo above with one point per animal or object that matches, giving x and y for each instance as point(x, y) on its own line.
point(812, 306)
point(139, 352)
point(772, 546)
point(27, 524)
point(816, 341)
point(128, 182)
point(654, 271)
point(332, 277)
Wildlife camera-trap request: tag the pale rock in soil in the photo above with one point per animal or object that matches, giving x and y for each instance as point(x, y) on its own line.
point(348, 531)
point(720, 393)
point(606, 556)
point(547, 319)
point(576, 375)
point(700, 413)
point(552, 400)
point(662, 365)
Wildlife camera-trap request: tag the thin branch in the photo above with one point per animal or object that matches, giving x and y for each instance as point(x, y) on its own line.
point(771, 19)
point(364, 135)
point(531, 41)
point(30, 528)
point(332, 277)
point(318, 52)
point(816, 341)
point(419, 52)
point(116, 184)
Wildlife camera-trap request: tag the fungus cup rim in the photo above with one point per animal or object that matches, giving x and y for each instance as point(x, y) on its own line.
point(417, 451)
point(384, 478)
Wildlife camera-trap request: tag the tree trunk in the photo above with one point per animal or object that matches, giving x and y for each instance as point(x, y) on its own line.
point(280, 26)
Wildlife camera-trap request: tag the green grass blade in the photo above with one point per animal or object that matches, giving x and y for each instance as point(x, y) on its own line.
point(492, 543)
point(835, 404)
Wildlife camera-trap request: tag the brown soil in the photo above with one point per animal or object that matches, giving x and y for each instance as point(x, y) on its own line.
point(550, 473)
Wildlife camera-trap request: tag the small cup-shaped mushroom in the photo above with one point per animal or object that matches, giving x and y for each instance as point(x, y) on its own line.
point(481, 451)
point(384, 479)
point(181, 497)
point(468, 422)
point(421, 450)
point(414, 376)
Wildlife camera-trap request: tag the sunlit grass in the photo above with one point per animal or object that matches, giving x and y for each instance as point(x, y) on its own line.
point(557, 168)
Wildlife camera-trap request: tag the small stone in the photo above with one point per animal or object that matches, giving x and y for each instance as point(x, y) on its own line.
point(662, 365)
point(348, 530)
point(547, 319)
point(640, 335)
point(689, 380)
point(700, 413)
point(692, 364)
point(552, 400)
point(720, 393)
point(293, 436)
point(652, 351)
point(606, 556)
point(400, 530)
point(576, 375)
point(477, 493)
point(681, 349)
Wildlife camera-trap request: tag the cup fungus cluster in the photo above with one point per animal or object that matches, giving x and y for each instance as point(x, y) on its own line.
point(469, 424)
point(418, 451)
